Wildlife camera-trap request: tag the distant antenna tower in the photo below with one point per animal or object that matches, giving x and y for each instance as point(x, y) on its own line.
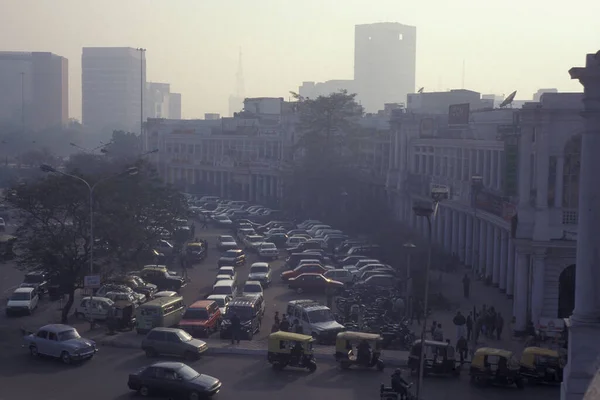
point(239, 78)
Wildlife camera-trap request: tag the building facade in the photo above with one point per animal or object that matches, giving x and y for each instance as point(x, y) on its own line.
point(157, 101)
point(312, 90)
point(384, 63)
point(175, 106)
point(440, 102)
point(113, 84)
point(35, 89)
point(512, 209)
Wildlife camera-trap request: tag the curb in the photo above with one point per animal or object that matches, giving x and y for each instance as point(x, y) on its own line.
point(236, 351)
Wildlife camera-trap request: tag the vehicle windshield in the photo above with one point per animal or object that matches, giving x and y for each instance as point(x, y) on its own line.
point(268, 246)
point(226, 239)
point(184, 336)
point(68, 335)
point(320, 316)
point(21, 296)
point(253, 288)
point(33, 279)
point(227, 272)
point(260, 269)
point(222, 290)
point(195, 313)
point(231, 254)
point(219, 300)
point(244, 313)
point(187, 373)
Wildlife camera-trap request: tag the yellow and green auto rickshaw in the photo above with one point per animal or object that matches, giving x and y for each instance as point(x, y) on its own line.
point(542, 366)
point(491, 366)
point(358, 348)
point(291, 349)
point(439, 358)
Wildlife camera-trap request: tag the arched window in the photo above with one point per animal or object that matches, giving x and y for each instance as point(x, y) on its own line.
point(571, 172)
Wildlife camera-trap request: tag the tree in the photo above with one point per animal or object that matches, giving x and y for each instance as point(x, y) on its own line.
point(129, 212)
point(123, 145)
point(34, 158)
point(328, 129)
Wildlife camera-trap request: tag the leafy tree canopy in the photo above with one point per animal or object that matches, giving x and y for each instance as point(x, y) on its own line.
point(129, 214)
point(123, 145)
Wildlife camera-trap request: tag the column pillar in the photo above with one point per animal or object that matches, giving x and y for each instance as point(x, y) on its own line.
point(584, 347)
point(461, 236)
point(475, 244)
point(537, 292)
point(265, 188)
point(489, 251)
point(510, 273)
point(499, 171)
point(496, 260)
point(486, 167)
point(503, 260)
point(558, 191)
point(524, 167)
point(447, 231)
point(469, 241)
point(482, 229)
point(521, 292)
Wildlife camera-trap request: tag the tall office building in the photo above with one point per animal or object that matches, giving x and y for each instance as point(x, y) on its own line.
point(113, 81)
point(34, 89)
point(384, 63)
point(175, 106)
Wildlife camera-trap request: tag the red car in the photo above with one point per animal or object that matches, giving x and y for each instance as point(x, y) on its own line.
point(314, 282)
point(303, 269)
point(201, 318)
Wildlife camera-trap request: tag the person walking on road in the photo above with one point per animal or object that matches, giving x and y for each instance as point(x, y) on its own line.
point(236, 327)
point(499, 326)
point(459, 322)
point(466, 286)
point(204, 222)
point(284, 326)
point(469, 325)
point(462, 347)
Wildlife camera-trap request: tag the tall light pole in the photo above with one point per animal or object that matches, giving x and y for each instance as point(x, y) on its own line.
point(142, 84)
point(409, 247)
point(91, 188)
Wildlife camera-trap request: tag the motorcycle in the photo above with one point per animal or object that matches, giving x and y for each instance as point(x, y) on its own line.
point(387, 393)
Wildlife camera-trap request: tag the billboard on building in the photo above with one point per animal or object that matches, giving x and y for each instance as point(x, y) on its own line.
point(458, 114)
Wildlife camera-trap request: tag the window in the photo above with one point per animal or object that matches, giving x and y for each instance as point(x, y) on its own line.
point(42, 334)
point(172, 337)
point(156, 335)
point(572, 164)
point(52, 336)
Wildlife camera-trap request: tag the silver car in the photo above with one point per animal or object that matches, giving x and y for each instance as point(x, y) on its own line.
point(173, 342)
point(60, 341)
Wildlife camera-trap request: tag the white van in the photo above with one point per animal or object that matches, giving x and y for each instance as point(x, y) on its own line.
point(95, 308)
point(226, 287)
point(23, 300)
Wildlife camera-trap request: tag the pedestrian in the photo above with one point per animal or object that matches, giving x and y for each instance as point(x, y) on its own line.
point(438, 334)
point(478, 329)
point(491, 322)
point(204, 222)
point(284, 326)
point(276, 318)
point(499, 325)
point(459, 322)
point(416, 312)
point(466, 286)
point(236, 327)
point(469, 325)
point(205, 247)
point(462, 347)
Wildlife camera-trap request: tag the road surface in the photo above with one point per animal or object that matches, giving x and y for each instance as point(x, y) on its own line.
point(249, 378)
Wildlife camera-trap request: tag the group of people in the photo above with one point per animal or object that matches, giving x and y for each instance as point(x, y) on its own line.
point(283, 324)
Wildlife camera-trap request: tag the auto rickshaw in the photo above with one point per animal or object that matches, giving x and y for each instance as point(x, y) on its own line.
point(350, 345)
point(440, 358)
point(195, 252)
point(121, 316)
point(542, 366)
point(491, 366)
point(291, 349)
point(6, 247)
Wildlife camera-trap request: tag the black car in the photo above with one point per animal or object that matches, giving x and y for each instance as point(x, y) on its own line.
point(162, 279)
point(174, 380)
point(249, 310)
point(137, 284)
point(308, 245)
point(37, 280)
point(278, 238)
point(232, 258)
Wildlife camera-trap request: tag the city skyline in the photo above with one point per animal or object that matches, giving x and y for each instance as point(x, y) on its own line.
point(497, 52)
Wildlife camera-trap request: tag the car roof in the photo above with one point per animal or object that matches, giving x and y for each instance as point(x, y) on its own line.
point(308, 274)
point(218, 296)
point(259, 264)
point(252, 283)
point(201, 304)
point(227, 268)
point(24, 290)
point(168, 365)
point(57, 328)
point(243, 301)
point(224, 282)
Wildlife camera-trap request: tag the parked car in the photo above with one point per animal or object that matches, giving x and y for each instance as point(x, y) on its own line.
point(229, 271)
point(113, 287)
point(201, 318)
point(312, 282)
point(252, 289)
point(293, 241)
point(162, 279)
point(222, 301)
point(136, 284)
point(175, 380)
point(226, 242)
point(234, 258)
point(60, 341)
point(280, 239)
point(95, 308)
point(222, 221)
point(379, 280)
point(253, 242)
point(173, 342)
point(268, 250)
point(121, 296)
point(23, 300)
point(37, 280)
point(260, 271)
point(165, 293)
point(303, 269)
point(341, 275)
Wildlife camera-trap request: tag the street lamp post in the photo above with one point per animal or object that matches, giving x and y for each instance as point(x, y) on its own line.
point(409, 247)
point(91, 188)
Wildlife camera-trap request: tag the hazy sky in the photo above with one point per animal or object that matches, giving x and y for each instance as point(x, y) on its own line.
point(193, 44)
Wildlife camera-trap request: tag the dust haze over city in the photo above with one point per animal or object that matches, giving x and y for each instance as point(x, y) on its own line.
point(271, 198)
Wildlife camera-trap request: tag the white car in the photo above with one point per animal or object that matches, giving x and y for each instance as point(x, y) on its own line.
point(95, 308)
point(229, 271)
point(294, 241)
point(222, 277)
point(252, 289)
point(23, 300)
point(222, 300)
point(253, 242)
point(166, 293)
point(223, 220)
point(268, 250)
point(341, 275)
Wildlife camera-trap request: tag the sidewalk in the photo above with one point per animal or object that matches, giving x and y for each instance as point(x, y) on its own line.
point(131, 340)
point(451, 287)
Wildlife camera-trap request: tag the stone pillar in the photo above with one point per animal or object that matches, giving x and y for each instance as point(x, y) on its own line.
point(496, 260)
point(469, 240)
point(560, 169)
point(489, 250)
point(265, 188)
point(584, 347)
point(524, 167)
point(537, 290)
point(510, 273)
point(447, 230)
point(503, 260)
point(486, 167)
point(461, 236)
point(475, 239)
point(482, 229)
point(521, 292)
point(455, 232)
point(499, 171)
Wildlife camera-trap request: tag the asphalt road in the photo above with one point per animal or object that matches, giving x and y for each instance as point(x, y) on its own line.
point(105, 378)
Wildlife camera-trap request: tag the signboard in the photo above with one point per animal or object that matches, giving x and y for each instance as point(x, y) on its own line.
point(511, 165)
point(458, 114)
point(495, 205)
point(91, 281)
